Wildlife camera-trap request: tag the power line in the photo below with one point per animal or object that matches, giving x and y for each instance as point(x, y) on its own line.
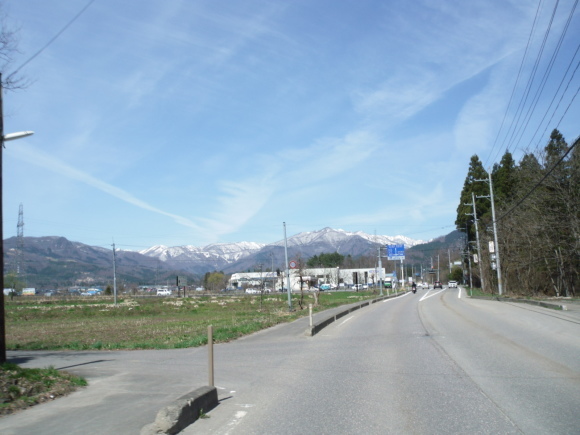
point(544, 79)
point(543, 178)
point(555, 95)
point(54, 38)
point(531, 79)
point(517, 78)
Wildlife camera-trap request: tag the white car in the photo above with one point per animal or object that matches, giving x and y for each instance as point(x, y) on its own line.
point(163, 292)
point(452, 284)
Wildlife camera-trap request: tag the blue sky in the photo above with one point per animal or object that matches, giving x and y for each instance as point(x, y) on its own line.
point(194, 122)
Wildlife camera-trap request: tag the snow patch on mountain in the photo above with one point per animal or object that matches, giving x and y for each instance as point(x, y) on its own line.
point(219, 254)
point(228, 252)
point(336, 237)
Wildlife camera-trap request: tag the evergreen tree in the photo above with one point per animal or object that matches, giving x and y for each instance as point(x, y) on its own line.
point(504, 179)
point(555, 149)
point(473, 184)
point(326, 260)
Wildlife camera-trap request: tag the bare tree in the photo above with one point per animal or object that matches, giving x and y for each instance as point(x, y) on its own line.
point(8, 49)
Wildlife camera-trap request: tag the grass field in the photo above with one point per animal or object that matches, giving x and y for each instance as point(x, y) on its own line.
point(94, 323)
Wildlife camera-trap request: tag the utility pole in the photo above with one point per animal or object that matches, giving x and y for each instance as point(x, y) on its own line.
point(380, 272)
point(114, 274)
point(449, 256)
point(496, 244)
point(4, 138)
point(272, 272)
point(474, 214)
point(2, 313)
point(287, 268)
point(469, 261)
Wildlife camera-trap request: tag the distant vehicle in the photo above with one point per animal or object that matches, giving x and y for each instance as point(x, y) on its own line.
point(324, 287)
point(357, 287)
point(199, 289)
point(163, 292)
point(252, 291)
point(452, 284)
point(437, 285)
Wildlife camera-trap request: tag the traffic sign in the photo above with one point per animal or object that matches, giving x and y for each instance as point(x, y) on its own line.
point(396, 252)
point(293, 264)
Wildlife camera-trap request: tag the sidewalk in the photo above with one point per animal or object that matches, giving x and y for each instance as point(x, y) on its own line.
point(126, 390)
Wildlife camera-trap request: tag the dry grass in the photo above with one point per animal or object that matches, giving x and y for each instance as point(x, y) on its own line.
point(148, 323)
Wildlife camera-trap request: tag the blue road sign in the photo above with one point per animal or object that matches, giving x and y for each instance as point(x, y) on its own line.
point(396, 252)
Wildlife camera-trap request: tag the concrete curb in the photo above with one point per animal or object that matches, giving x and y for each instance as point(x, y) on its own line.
point(182, 412)
point(539, 303)
point(524, 301)
point(319, 326)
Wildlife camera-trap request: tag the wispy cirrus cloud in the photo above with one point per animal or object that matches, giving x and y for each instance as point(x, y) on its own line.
point(33, 155)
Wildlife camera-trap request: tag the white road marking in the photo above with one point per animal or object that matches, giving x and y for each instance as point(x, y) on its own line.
point(427, 296)
point(345, 320)
point(398, 297)
point(235, 421)
point(459, 296)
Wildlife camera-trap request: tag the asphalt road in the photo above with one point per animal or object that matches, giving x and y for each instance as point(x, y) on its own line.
point(426, 363)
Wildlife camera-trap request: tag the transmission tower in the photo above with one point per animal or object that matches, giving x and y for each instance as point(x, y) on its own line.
point(20, 243)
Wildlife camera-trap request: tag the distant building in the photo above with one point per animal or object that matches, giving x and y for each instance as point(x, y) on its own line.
point(335, 277)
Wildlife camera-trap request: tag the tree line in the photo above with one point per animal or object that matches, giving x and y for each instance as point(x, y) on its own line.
point(537, 208)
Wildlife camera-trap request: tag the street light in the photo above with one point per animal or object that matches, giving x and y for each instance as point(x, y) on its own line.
point(20, 134)
point(4, 138)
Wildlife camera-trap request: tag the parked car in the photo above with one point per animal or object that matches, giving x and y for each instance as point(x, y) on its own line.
point(163, 292)
point(357, 287)
point(437, 285)
point(452, 284)
point(324, 287)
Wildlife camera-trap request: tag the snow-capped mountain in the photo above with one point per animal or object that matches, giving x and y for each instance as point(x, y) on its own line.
point(239, 256)
point(338, 237)
point(210, 257)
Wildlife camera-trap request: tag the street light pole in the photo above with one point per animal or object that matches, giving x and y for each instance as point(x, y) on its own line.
point(4, 138)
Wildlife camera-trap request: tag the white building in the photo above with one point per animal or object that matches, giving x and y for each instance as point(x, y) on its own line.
point(334, 276)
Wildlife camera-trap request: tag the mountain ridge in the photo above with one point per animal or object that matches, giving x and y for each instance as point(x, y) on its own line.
point(53, 261)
